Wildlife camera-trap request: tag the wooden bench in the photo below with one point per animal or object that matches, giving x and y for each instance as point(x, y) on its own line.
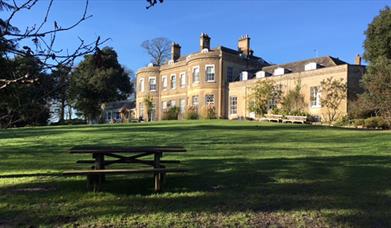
point(273, 118)
point(295, 119)
point(94, 182)
point(96, 175)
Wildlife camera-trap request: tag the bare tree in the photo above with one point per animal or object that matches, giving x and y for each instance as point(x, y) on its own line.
point(37, 42)
point(153, 2)
point(159, 49)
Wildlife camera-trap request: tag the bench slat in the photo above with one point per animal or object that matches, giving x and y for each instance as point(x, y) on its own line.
point(122, 171)
point(151, 149)
point(93, 161)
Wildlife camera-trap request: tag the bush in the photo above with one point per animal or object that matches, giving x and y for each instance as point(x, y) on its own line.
point(376, 123)
point(210, 113)
point(343, 121)
point(171, 114)
point(191, 113)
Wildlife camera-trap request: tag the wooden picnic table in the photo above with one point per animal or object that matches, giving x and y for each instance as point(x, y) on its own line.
point(124, 155)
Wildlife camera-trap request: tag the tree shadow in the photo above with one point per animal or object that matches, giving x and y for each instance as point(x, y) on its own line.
point(353, 190)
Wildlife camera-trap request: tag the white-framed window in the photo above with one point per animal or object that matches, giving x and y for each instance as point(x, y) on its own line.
point(196, 74)
point(183, 79)
point(194, 101)
point(315, 95)
point(152, 84)
point(233, 105)
point(164, 105)
point(164, 82)
point(210, 73)
point(272, 103)
point(182, 105)
point(173, 104)
point(173, 81)
point(230, 74)
point(141, 85)
point(210, 99)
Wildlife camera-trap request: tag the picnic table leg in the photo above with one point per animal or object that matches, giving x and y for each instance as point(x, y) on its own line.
point(95, 180)
point(157, 175)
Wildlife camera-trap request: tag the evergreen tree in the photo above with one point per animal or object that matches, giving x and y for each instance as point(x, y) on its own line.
point(98, 79)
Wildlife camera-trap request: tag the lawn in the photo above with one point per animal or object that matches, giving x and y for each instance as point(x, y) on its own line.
point(241, 174)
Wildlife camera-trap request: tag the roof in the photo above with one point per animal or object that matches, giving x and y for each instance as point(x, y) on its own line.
point(116, 105)
point(325, 61)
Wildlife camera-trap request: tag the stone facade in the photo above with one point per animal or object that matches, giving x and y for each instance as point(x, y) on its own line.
point(223, 78)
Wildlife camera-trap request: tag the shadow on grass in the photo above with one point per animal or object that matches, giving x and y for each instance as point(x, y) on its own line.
point(354, 190)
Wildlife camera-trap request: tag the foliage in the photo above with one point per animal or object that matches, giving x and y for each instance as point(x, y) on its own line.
point(377, 123)
point(209, 112)
point(333, 92)
point(264, 92)
point(148, 103)
point(378, 37)
point(62, 80)
point(25, 104)
point(99, 78)
point(171, 114)
point(159, 49)
point(293, 102)
point(377, 84)
point(192, 113)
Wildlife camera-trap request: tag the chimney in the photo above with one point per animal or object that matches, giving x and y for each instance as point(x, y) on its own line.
point(357, 60)
point(244, 45)
point(204, 41)
point(175, 51)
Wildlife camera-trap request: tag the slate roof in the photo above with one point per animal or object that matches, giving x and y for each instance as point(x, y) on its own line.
point(325, 61)
point(117, 105)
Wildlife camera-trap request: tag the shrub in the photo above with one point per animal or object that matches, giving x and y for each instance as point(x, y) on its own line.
point(171, 114)
point(211, 112)
point(191, 113)
point(376, 122)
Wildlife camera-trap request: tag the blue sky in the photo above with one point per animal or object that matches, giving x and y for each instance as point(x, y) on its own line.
point(280, 31)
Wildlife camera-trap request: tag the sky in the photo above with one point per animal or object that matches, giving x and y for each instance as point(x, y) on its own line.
point(280, 31)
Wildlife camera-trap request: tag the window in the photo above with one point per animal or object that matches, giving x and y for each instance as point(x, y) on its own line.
point(141, 109)
point(141, 85)
point(152, 84)
point(196, 74)
point(233, 105)
point(173, 81)
point(194, 101)
point(183, 79)
point(315, 96)
point(230, 74)
point(272, 103)
point(164, 82)
point(109, 116)
point(210, 99)
point(210, 73)
point(182, 105)
point(164, 105)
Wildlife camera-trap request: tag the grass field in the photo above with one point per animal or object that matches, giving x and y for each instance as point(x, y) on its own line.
point(242, 174)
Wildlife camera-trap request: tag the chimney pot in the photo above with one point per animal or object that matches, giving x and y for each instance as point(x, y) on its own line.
point(175, 51)
point(357, 60)
point(204, 41)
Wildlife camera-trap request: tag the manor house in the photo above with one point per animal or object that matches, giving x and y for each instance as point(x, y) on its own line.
point(223, 77)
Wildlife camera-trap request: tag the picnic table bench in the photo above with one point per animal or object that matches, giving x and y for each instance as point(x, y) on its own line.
point(96, 175)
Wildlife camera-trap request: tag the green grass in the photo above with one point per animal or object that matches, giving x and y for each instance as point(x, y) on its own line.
point(242, 174)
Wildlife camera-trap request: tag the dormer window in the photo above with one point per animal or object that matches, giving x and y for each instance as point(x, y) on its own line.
point(244, 76)
point(280, 71)
point(260, 74)
point(311, 66)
